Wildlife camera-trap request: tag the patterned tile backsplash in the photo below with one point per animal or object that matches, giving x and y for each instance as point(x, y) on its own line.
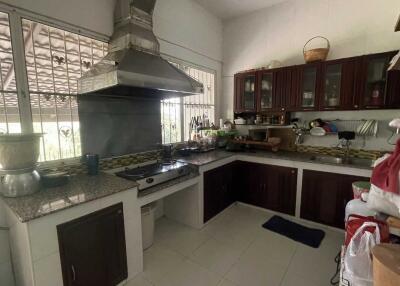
point(74, 168)
point(332, 151)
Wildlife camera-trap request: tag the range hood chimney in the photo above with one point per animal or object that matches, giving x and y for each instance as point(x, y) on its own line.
point(133, 65)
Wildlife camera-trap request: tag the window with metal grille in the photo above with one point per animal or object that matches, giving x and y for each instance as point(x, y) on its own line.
point(9, 110)
point(176, 113)
point(55, 59)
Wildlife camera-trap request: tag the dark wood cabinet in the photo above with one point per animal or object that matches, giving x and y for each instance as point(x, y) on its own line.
point(345, 84)
point(246, 93)
point(309, 87)
point(325, 195)
point(375, 79)
point(93, 250)
point(286, 91)
point(393, 89)
point(340, 84)
point(219, 190)
point(267, 186)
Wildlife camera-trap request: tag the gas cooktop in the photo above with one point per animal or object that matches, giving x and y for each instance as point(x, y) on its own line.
point(154, 174)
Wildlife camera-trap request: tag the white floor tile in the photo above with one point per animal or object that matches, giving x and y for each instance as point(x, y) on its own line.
point(216, 256)
point(234, 250)
point(179, 238)
point(297, 280)
point(269, 245)
point(139, 280)
point(159, 262)
point(226, 282)
point(190, 274)
point(256, 271)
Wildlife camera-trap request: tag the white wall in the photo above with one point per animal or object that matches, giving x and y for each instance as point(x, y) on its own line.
point(354, 27)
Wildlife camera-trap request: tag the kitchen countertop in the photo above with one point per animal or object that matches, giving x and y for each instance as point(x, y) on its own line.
point(209, 157)
point(80, 189)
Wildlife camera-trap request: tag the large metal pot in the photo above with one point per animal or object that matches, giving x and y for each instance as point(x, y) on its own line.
point(19, 151)
point(20, 183)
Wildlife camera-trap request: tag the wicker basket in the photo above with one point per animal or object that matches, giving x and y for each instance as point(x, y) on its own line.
point(314, 55)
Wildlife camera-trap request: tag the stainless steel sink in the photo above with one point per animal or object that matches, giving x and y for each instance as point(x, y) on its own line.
point(342, 160)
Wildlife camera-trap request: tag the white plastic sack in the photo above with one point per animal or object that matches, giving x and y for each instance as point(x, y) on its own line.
point(358, 256)
point(384, 202)
point(381, 201)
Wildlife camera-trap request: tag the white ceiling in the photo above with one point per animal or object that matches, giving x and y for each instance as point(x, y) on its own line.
point(226, 9)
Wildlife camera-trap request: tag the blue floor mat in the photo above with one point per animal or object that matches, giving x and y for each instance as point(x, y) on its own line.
point(308, 236)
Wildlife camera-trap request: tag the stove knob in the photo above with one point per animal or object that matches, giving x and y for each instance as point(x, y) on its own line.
point(149, 180)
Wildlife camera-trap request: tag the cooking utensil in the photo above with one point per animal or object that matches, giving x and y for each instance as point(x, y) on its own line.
point(19, 151)
point(317, 131)
point(51, 178)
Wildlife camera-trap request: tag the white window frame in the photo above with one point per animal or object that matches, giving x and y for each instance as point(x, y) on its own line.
point(15, 16)
point(181, 103)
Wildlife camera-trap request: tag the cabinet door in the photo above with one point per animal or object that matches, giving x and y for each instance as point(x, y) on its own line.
point(285, 97)
point(92, 249)
point(219, 191)
point(375, 77)
point(325, 195)
point(247, 178)
point(332, 84)
point(339, 83)
point(309, 87)
point(266, 87)
point(393, 89)
point(351, 83)
point(279, 188)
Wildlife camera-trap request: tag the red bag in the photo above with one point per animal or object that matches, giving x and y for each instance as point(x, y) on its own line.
point(354, 222)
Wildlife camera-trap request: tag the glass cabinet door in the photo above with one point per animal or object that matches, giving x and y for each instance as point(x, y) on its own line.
point(266, 91)
point(309, 87)
point(333, 79)
point(374, 95)
point(249, 95)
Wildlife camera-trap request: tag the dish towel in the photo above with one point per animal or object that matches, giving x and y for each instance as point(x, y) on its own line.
point(386, 175)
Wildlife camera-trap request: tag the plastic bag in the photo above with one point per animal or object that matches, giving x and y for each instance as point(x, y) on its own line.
point(358, 256)
point(384, 202)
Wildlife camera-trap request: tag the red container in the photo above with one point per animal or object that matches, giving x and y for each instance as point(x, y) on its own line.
point(356, 221)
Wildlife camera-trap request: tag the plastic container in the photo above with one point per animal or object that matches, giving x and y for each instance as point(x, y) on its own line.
point(360, 187)
point(148, 225)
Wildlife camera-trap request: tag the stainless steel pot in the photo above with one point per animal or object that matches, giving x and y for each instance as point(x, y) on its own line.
point(20, 183)
point(19, 151)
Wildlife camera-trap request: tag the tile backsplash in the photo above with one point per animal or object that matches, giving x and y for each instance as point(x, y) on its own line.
point(75, 167)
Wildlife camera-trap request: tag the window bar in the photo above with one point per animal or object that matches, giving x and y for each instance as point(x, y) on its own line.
point(2, 96)
point(55, 96)
point(37, 86)
point(69, 99)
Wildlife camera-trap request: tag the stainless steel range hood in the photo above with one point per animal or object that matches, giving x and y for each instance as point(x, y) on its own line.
point(133, 66)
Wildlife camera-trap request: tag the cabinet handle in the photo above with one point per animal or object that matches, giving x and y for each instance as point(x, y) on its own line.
point(293, 171)
point(356, 106)
point(73, 272)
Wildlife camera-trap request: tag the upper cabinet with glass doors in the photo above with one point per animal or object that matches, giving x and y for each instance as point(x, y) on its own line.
point(245, 92)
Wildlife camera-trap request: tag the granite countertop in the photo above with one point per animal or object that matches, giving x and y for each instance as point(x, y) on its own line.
point(209, 157)
point(80, 189)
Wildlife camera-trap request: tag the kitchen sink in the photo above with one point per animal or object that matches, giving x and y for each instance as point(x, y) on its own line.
point(342, 160)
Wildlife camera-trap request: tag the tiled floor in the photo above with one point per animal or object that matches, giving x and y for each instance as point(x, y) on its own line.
point(235, 250)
